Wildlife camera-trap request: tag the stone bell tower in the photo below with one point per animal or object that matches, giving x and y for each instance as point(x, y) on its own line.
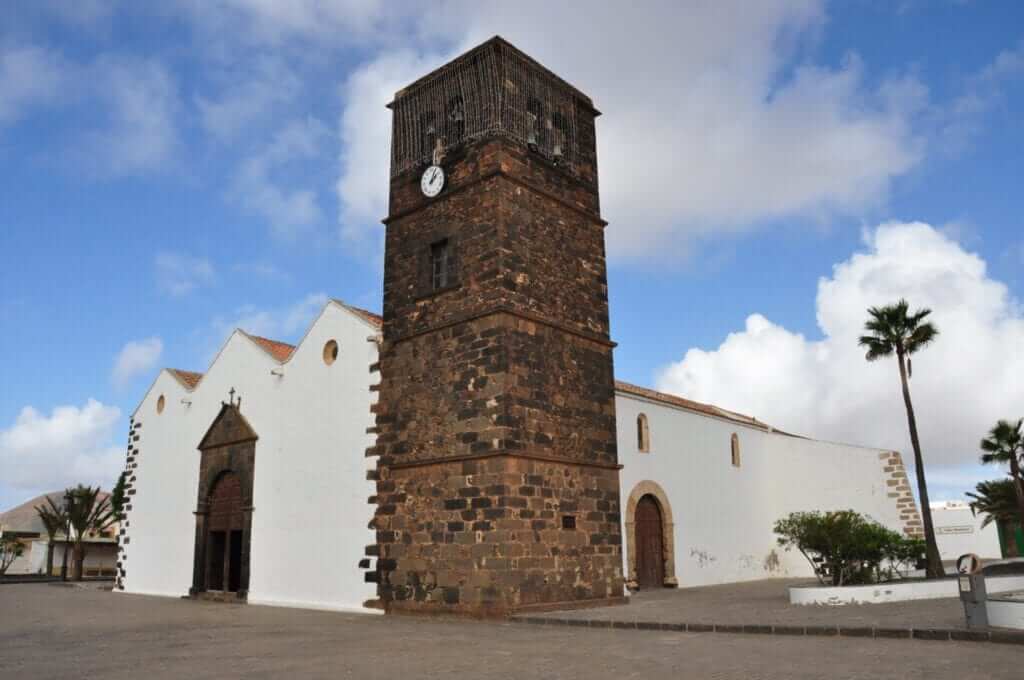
point(497, 473)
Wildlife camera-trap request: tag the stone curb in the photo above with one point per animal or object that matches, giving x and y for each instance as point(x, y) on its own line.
point(940, 634)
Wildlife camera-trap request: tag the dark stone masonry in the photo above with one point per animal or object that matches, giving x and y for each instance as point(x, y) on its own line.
point(497, 475)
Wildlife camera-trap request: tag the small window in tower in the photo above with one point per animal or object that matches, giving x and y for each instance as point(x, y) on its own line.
point(568, 521)
point(440, 265)
point(160, 403)
point(735, 450)
point(643, 434)
point(330, 352)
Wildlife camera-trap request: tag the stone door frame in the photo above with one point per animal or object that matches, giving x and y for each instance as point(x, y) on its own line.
point(229, 446)
point(649, 488)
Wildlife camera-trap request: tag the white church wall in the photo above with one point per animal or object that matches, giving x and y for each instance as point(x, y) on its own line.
point(309, 490)
point(306, 547)
point(723, 515)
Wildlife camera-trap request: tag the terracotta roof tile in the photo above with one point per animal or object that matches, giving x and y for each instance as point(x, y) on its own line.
point(690, 405)
point(187, 378)
point(279, 350)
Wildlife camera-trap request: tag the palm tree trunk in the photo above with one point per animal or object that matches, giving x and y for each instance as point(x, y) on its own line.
point(934, 568)
point(79, 561)
point(49, 557)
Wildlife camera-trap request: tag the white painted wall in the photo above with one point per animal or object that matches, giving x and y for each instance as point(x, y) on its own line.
point(957, 532)
point(724, 515)
point(309, 525)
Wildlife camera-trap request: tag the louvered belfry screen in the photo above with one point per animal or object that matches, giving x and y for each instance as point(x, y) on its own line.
point(492, 90)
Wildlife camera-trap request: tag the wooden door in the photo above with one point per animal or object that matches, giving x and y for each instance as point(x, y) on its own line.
point(225, 528)
point(650, 557)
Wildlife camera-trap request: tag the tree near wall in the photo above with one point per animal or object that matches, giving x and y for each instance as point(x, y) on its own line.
point(87, 514)
point(10, 550)
point(847, 548)
point(54, 520)
point(118, 497)
point(893, 330)
point(996, 499)
point(1005, 445)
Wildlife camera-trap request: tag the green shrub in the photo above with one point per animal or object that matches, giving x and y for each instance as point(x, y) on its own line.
point(848, 548)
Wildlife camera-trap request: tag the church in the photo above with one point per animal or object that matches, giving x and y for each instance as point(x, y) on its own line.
point(469, 451)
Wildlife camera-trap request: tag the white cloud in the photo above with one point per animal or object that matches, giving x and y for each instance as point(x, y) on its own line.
point(247, 96)
point(964, 119)
point(714, 119)
point(73, 444)
point(142, 106)
point(136, 358)
point(285, 323)
point(28, 76)
point(961, 385)
point(181, 274)
point(256, 190)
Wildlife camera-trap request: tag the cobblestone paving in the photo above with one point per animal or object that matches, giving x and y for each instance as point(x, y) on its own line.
point(48, 631)
point(767, 602)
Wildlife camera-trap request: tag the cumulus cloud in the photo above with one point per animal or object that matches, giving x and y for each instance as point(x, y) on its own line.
point(715, 121)
point(824, 387)
point(137, 357)
point(179, 274)
point(40, 453)
point(258, 191)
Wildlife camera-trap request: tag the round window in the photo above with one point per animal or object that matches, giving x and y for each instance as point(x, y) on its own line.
point(160, 403)
point(330, 352)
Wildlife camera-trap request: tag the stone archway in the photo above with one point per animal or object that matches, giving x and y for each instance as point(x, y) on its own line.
point(652, 489)
point(224, 507)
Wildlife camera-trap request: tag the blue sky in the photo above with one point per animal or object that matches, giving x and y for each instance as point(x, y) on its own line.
point(172, 173)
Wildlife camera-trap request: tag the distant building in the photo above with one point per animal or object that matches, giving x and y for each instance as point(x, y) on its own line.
point(23, 522)
point(959, 531)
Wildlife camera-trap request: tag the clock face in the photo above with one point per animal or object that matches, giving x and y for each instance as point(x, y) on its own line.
point(432, 181)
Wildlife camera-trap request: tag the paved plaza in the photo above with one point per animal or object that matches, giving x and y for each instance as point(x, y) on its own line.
point(767, 603)
point(50, 631)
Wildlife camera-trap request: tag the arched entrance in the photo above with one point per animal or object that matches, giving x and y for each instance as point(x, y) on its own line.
point(650, 538)
point(650, 553)
point(224, 507)
point(225, 527)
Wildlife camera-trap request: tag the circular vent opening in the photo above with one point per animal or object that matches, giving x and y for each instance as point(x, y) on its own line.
point(330, 352)
point(160, 403)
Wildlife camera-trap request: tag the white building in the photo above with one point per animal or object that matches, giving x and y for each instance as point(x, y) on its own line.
point(958, 531)
point(701, 486)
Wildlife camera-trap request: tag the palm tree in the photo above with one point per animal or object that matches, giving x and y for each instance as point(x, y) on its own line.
point(54, 519)
point(1005, 444)
point(893, 330)
point(997, 500)
point(88, 513)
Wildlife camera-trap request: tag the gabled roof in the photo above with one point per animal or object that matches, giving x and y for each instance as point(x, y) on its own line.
point(187, 378)
point(696, 406)
point(229, 427)
point(371, 318)
point(275, 348)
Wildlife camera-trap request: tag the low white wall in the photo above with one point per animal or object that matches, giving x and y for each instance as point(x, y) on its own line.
point(1005, 613)
point(896, 591)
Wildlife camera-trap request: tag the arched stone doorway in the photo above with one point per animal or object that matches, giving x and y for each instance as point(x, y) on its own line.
point(650, 538)
point(224, 507)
